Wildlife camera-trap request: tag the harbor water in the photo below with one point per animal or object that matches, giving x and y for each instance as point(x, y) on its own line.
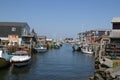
point(55, 64)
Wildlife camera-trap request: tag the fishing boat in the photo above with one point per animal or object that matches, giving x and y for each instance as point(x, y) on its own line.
point(21, 58)
point(41, 49)
point(56, 46)
point(87, 49)
point(4, 58)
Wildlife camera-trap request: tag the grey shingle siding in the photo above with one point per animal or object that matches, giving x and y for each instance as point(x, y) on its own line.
point(7, 30)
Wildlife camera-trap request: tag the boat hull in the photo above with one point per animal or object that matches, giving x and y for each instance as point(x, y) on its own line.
point(21, 63)
point(76, 48)
point(41, 50)
point(87, 52)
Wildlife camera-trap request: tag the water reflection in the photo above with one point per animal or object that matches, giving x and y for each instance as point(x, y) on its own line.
point(59, 64)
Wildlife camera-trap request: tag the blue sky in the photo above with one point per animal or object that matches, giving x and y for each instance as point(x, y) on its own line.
point(61, 18)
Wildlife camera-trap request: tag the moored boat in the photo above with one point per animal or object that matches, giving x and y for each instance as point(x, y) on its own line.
point(4, 58)
point(41, 49)
point(76, 47)
point(21, 58)
point(87, 49)
point(57, 45)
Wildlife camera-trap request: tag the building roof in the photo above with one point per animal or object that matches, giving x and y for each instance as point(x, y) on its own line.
point(115, 34)
point(116, 20)
point(12, 28)
point(18, 24)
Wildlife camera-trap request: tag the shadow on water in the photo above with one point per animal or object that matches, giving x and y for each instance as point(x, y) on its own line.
point(14, 73)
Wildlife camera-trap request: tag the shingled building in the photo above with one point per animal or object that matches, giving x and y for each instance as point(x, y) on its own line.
point(13, 31)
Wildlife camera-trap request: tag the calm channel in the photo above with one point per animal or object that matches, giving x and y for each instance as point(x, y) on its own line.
point(56, 64)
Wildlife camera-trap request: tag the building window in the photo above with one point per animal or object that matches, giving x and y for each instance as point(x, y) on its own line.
point(13, 29)
point(24, 32)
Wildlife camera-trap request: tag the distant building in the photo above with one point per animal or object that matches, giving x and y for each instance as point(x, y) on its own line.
point(49, 40)
point(12, 32)
point(82, 36)
point(92, 35)
point(68, 40)
point(42, 40)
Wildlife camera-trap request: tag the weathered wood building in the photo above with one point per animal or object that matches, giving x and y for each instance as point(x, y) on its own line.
point(29, 40)
point(114, 47)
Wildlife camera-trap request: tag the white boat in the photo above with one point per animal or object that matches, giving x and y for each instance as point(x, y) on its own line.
point(21, 58)
point(4, 58)
point(41, 49)
point(87, 49)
